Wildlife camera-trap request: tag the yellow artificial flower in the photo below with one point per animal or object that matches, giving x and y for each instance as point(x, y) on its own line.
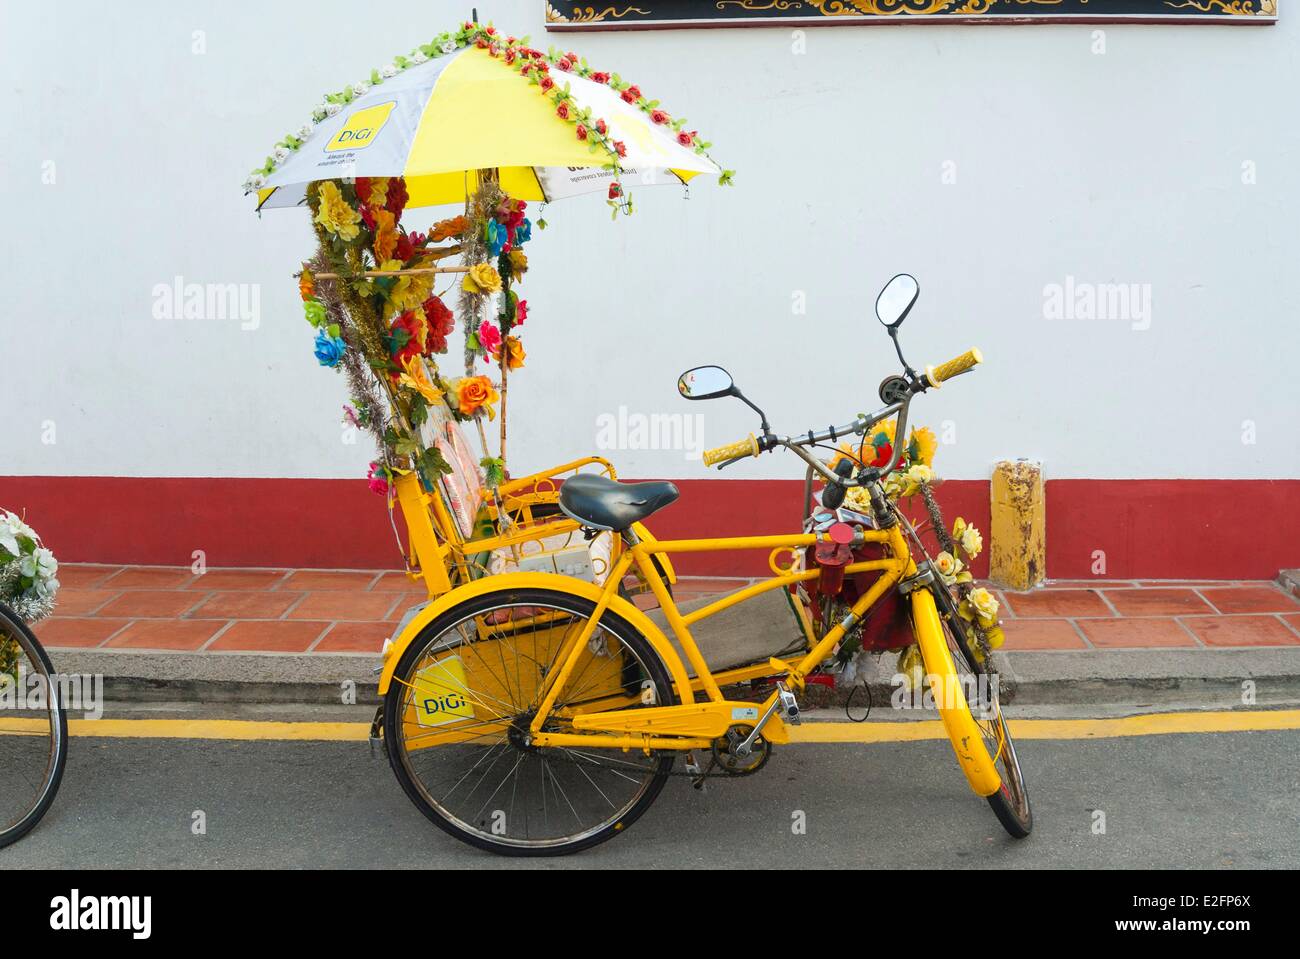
point(418, 379)
point(926, 445)
point(518, 262)
point(995, 636)
point(912, 667)
point(971, 541)
point(378, 194)
point(985, 606)
point(482, 278)
point(409, 292)
point(335, 215)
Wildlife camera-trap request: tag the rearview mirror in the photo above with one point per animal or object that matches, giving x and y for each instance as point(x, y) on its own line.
point(706, 383)
point(897, 299)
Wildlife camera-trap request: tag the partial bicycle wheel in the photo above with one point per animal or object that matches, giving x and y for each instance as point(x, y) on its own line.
point(1011, 802)
point(458, 713)
point(33, 729)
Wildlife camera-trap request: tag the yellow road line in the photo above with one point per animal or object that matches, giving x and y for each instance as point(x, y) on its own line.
point(1152, 724)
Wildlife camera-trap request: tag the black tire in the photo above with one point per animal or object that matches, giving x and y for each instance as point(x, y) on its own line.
point(660, 766)
point(12, 626)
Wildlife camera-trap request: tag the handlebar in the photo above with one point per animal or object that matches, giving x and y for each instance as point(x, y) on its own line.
point(954, 367)
point(733, 451)
point(753, 446)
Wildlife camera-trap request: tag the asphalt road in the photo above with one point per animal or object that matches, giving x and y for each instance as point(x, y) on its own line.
point(1210, 800)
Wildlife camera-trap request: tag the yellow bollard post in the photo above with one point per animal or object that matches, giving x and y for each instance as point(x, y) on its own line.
point(1018, 531)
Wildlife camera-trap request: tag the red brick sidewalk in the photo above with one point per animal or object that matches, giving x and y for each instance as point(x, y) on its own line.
point(331, 611)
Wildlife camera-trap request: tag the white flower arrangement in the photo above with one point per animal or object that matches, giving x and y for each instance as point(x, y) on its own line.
point(28, 570)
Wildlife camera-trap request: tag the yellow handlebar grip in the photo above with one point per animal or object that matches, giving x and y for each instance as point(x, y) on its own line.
point(746, 447)
point(967, 361)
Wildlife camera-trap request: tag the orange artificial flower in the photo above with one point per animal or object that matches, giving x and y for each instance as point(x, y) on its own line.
point(446, 229)
point(474, 393)
point(515, 354)
point(385, 235)
point(306, 285)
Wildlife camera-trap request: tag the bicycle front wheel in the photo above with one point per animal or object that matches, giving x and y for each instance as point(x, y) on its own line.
point(457, 720)
point(33, 729)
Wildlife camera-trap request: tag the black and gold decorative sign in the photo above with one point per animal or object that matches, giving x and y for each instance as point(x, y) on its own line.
point(667, 14)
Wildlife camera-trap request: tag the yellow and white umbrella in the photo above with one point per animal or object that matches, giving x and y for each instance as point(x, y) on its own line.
point(472, 100)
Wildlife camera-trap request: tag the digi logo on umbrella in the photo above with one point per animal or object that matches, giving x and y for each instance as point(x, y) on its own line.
point(361, 129)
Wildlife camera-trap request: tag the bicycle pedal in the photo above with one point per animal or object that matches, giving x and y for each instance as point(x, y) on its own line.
point(789, 705)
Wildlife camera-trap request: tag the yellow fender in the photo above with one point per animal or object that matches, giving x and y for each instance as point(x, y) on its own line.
point(563, 584)
point(967, 741)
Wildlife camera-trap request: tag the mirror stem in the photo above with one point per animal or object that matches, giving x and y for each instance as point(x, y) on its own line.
point(893, 335)
point(761, 415)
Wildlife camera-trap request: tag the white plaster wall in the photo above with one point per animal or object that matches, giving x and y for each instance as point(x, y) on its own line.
point(1125, 167)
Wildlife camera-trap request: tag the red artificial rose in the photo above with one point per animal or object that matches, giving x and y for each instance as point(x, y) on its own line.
point(362, 186)
point(600, 127)
point(685, 139)
point(563, 110)
point(658, 116)
point(491, 31)
point(582, 132)
point(405, 247)
point(526, 69)
point(521, 312)
point(615, 190)
point(600, 77)
point(510, 56)
point(367, 217)
point(564, 64)
point(547, 83)
point(631, 94)
point(620, 148)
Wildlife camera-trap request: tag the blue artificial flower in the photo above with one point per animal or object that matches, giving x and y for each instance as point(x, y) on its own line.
point(496, 237)
point(329, 349)
point(524, 232)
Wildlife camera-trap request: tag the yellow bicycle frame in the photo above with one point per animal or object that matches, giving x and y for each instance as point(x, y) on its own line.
point(697, 723)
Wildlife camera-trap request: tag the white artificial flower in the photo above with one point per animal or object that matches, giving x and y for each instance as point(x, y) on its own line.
point(320, 111)
point(388, 70)
point(40, 565)
point(256, 182)
point(332, 109)
point(971, 541)
point(281, 154)
point(449, 47)
point(305, 131)
point(360, 89)
point(418, 57)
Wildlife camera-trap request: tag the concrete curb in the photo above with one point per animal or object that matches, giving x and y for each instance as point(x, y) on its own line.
point(1100, 677)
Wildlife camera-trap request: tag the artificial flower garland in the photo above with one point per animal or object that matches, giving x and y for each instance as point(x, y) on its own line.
point(914, 474)
point(28, 581)
point(530, 63)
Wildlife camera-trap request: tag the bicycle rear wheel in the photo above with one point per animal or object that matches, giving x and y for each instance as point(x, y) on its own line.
point(33, 729)
point(456, 724)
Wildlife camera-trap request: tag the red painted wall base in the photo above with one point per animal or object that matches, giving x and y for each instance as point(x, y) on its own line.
point(1154, 529)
